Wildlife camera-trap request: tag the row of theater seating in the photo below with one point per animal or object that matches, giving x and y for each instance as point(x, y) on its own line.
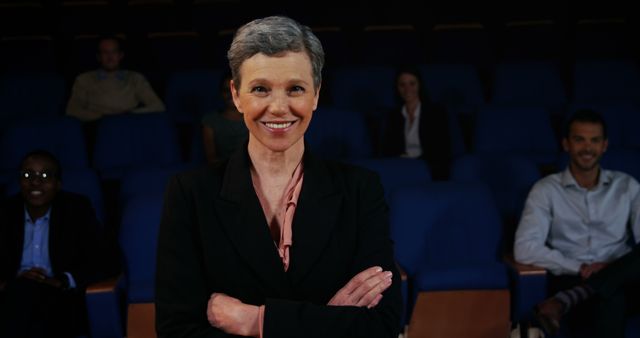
point(505, 179)
point(526, 98)
point(370, 89)
point(448, 239)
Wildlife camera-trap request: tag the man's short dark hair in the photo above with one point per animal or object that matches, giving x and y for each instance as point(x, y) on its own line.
point(589, 116)
point(47, 156)
point(115, 38)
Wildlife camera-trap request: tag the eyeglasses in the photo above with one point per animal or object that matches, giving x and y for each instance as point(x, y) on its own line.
point(32, 175)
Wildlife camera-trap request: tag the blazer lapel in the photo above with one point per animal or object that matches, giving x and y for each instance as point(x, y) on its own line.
point(17, 223)
point(314, 219)
point(244, 221)
point(55, 235)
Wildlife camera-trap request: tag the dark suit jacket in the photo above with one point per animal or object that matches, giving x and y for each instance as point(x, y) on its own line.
point(73, 237)
point(435, 137)
point(214, 238)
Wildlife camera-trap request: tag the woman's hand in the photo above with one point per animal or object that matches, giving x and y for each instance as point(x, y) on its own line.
point(233, 316)
point(365, 289)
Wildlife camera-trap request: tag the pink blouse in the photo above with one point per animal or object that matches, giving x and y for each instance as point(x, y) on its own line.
point(280, 226)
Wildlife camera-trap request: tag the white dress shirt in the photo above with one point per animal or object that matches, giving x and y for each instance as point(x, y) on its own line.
point(564, 225)
point(412, 148)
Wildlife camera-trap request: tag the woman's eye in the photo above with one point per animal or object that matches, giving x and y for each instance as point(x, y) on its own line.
point(297, 89)
point(259, 89)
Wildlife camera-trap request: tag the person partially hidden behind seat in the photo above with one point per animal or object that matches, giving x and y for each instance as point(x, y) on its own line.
point(111, 90)
point(48, 243)
point(419, 128)
point(577, 222)
point(223, 132)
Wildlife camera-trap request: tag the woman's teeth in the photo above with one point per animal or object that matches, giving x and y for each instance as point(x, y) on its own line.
point(278, 125)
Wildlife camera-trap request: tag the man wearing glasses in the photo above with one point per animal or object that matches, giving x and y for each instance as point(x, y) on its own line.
point(48, 241)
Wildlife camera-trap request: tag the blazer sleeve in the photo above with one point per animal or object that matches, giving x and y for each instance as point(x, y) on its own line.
point(88, 259)
point(284, 318)
point(181, 292)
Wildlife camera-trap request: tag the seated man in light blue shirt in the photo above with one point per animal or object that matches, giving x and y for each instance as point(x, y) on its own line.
point(578, 221)
point(48, 254)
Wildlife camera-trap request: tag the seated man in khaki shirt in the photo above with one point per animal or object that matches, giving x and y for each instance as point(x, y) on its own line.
point(111, 90)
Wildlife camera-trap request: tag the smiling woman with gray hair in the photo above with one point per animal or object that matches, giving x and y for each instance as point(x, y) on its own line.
point(275, 242)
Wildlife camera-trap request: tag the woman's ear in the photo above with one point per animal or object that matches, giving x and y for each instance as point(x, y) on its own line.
point(235, 96)
point(316, 98)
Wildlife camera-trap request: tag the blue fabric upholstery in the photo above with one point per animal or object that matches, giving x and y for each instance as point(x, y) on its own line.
point(366, 89)
point(130, 141)
point(447, 237)
point(457, 86)
point(397, 173)
point(61, 136)
point(606, 81)
point(517, 130)
point(509, 177)
point(29, 95)
point(338, 134)
point(138, 240)
point(529, 83)
point(193, 93)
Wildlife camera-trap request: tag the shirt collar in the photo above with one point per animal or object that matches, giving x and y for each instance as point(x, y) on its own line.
point(45, 217)
point(417, 112)
point(102, 74)
point(568, 180)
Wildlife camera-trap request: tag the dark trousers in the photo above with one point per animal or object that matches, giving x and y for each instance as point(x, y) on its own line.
point(617, 289)
point(578, 322)
point(32, 309)
point(617, 293)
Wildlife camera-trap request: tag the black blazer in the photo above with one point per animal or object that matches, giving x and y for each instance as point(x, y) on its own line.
point(214, 238)
point(73, 237)
point(435, 137)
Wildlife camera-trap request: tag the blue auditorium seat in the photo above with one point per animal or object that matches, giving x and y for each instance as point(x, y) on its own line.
point(457, 86)
point(62, 136)
point(147, 181)
point(606, 81)
point(338, 134)
point(396, 173)
point(193, 93)
point(138, 233)
point(509, 177)
point(134, 141)
point(31, 95)
point(366, 89)
point(508, 130)
point(447, 237)
point(530, 84)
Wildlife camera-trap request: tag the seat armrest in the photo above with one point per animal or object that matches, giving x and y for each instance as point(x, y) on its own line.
point(528, 288)
point(107, 285)
point(403, 274)
point(105, 307)
point(524, 269)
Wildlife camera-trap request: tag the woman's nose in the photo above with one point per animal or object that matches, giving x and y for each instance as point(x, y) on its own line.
point(279, 105)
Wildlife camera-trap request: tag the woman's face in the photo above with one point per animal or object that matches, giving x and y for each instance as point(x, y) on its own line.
point(408, 87)
point(277, 97)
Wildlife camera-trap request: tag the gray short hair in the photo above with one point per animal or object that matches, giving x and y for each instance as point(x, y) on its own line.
point(272, 36)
